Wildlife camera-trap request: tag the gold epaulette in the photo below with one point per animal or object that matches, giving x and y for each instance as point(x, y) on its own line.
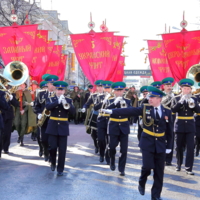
point(126, 98)
point(140, 99)
point(111, 97)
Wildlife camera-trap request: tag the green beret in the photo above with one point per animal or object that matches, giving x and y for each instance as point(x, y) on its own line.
point(98, 82)
point(44, 76)
point(60, 84)
point(118, 85)
point(144, 88)
point(155, 92)
point(168, 80)
point(51, 78)
point(186, 82)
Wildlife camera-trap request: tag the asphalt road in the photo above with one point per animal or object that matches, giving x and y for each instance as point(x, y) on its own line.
point(25, 176)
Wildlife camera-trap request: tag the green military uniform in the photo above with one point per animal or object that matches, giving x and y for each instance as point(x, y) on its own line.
point(25, 123)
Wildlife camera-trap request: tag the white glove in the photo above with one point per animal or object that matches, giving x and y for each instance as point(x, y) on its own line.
point(39, 116)
point(60, 99)
point(106, 111)
point(168, 151)
point(182, 99)
point(117, 100)
point(147, 97)
point(134, 124)
point(64, 101)
point(11, 97)
point(83, 110)
point(32, 104)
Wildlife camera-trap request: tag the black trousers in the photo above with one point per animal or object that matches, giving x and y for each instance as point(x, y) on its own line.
point(38, 135)
point(155, 161)
point(169, 157)
point(1, 142)
point(181, 139)
point(114, 140)
point(60, 143)
point(103, 139)
point(44, 138)
point(94, 137)
point(7, 134)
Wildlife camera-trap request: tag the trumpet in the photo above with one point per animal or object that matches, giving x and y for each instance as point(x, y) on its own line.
point(123, 104)
point(191, 103)
point(64, 102)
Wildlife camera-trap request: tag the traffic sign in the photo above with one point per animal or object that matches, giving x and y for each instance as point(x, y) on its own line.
point(137, 72)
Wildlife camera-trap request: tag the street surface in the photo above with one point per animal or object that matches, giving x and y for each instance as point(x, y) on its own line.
point(25, 176)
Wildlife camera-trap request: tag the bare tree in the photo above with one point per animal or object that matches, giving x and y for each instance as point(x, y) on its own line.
point(21, 8)
point(82, 78)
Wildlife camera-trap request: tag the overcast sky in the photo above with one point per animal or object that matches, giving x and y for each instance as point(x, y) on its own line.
point(138, 19)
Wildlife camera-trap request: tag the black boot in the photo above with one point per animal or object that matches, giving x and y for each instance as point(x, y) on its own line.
point(112, 164)
point(19, 139)
point(22, 141)
point(197, 148)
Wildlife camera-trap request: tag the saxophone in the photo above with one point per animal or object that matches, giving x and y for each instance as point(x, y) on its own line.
point(46, 113)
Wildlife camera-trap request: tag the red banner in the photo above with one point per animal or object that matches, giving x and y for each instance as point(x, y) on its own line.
point(39, 60)
point(119, 72)
point(62, 68)
point(158, 61)
point(54, 60)
point(116, 52)
point(50, 46)
point(183, 51)
point(94, 53)
point(17, 43)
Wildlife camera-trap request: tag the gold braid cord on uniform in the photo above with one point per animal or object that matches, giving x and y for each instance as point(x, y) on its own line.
point(144, 117)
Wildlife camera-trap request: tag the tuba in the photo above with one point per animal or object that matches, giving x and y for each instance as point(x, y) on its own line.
point(17, 72)
point(14, 74)
point(194, 74)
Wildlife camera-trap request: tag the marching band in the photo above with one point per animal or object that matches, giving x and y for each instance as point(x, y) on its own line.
point(163, 118)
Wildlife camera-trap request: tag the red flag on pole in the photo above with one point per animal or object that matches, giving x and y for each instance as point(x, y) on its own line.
point(183, 51)
point(50, 46)
point(158, 61)
point(116, 52)
point(39, 60)
point(94, 53)
point(17, 43)
point(54, 60)
point(119, 72)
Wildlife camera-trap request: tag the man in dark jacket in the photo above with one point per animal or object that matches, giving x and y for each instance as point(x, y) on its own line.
point(58, 126)
point(8, 116)
point(156, 138)
point(185, 105)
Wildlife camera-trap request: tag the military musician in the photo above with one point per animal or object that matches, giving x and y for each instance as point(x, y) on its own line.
point(157, 130)
point(185, 105)
point(58, 127)
point(42, 115)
